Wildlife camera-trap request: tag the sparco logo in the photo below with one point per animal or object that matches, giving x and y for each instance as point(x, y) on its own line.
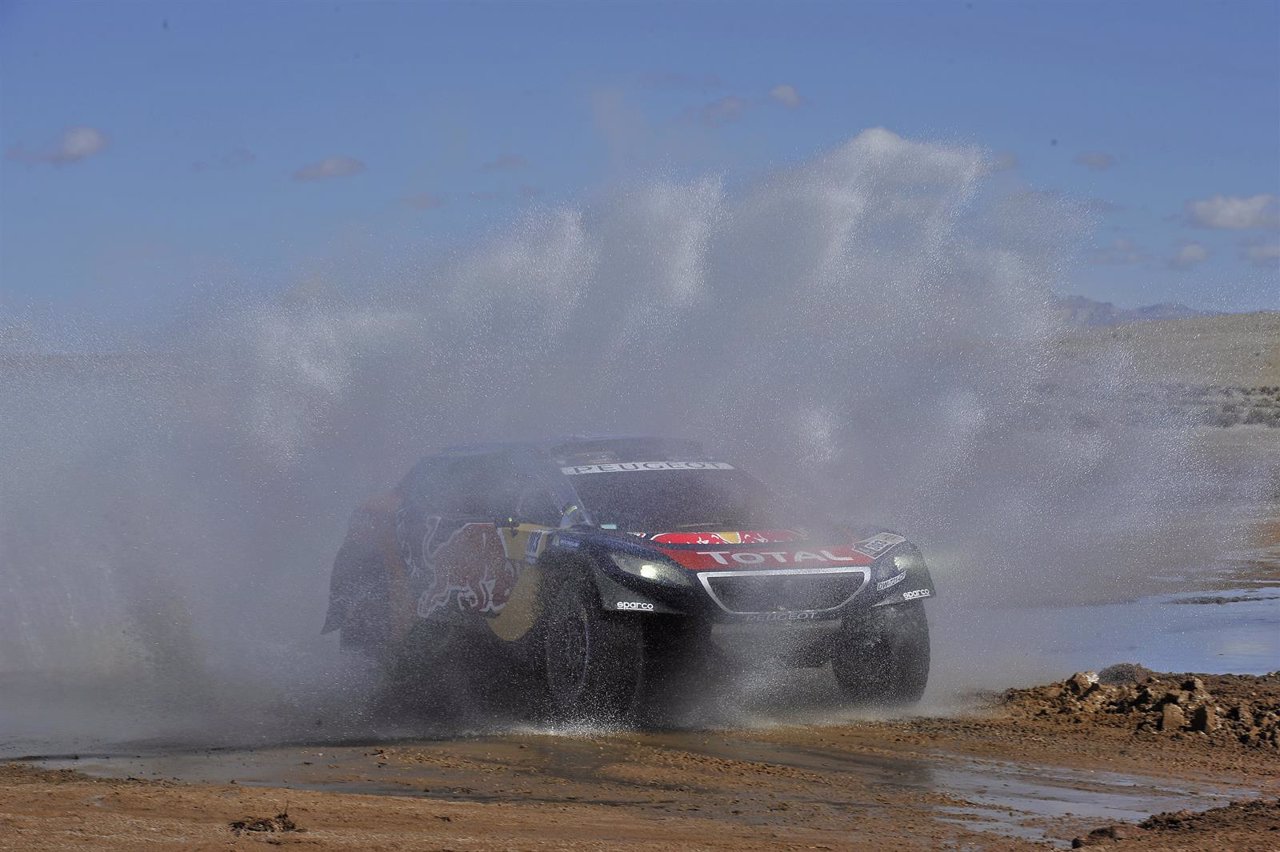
point(779, 557)
point(636, 605)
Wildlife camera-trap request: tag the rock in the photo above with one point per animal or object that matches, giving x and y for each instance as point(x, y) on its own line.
point(1123, 674)
point(1106, 834)
point(1205, 718)
point(280, 822)
point(1081, 682)
point(1172, 717)
point(1242, 714)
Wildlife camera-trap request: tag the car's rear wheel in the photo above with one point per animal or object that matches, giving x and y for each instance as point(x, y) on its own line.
point(594, 659)
point(425, 678)
point(883, 658)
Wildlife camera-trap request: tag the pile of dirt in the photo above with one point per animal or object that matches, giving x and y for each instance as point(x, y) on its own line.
point(279, 822)
point(1257, 817)
point(1242, 709)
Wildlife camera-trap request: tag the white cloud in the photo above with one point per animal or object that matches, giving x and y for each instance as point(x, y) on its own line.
point(1120, 252)
point(722, 111)
point(731, 108)
point(786, 95)
point(1234, 213)
point(1095, 161)
point(330, 167)
point(1265, 255)
point(505, 163)
point(1189, 255)
point(76, 144)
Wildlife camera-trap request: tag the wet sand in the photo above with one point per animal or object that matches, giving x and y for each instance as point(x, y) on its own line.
point(1031, 769)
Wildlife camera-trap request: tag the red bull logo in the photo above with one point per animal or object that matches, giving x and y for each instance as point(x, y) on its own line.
point(469, 572)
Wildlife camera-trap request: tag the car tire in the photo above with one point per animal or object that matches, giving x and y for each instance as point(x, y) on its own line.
point(593, 659)
point(424, 679)
point(883, 659)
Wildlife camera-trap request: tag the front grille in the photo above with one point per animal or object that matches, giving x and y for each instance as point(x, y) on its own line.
point(783, 591)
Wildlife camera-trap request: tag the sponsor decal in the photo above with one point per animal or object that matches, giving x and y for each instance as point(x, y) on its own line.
point(638, 606)
point(622, 467)
point(918, 593)
point(778, 557)
point(891, 582)
point(878, 543)
point(743, 537)
point(469, 571)
point(759, 558)
point(534, 546)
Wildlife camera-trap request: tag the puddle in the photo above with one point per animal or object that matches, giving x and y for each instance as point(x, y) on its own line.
point(1032, 802)
point(1021, 800)
point(1164, 633)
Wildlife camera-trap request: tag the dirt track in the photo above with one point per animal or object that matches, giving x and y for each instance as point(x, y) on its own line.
point(1034, 768)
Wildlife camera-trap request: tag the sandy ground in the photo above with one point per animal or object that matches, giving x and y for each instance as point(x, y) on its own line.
point(1033, 768)
point(1235, 349)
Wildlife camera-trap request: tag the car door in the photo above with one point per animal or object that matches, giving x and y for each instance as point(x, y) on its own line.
point(451, 542)
point(524, 535)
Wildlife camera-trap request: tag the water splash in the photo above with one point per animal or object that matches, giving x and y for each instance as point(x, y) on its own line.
point(875, 325)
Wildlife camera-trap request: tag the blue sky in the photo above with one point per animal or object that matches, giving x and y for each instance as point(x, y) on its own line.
point(151, 148)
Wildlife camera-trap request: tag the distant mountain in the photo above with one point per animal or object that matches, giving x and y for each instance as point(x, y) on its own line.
point(1080, 310)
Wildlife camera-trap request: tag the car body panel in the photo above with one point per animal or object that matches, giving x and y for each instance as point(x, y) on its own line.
point(442, 551)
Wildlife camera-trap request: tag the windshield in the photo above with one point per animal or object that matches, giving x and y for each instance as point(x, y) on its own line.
point(671, 500)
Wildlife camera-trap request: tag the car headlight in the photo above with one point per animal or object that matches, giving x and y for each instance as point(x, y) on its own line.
point(898, 563)
point(909, 559)
point(654, 570)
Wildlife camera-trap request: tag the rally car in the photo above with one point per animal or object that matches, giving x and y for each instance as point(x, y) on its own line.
point(595, 567)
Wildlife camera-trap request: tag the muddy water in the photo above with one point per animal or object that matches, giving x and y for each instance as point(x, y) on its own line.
point(1210, 629)
point(729, 776)
point(714, 764)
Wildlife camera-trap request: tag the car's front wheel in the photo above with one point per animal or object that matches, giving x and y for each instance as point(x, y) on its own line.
point(594, 659)
point(883, 658)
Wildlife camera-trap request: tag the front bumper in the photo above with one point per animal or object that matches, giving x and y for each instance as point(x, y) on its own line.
point(767, 595)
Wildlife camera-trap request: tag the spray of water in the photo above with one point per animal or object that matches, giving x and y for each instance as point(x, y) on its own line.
point(875, 326)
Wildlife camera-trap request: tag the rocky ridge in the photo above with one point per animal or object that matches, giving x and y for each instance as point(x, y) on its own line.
point(1225, 710)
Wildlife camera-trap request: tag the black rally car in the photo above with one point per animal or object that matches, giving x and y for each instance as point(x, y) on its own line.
point(600, 565)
